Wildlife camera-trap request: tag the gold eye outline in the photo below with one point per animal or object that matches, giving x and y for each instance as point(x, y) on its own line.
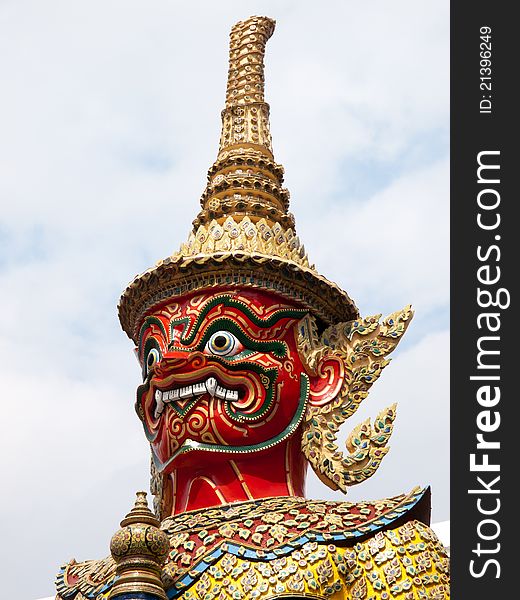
point(223, 343)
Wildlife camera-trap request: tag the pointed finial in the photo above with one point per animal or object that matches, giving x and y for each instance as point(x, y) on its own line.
point(139, 549)
point(245, 181)
point(245, 119)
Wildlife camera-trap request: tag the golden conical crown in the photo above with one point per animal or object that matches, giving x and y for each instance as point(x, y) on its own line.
point(244, 234)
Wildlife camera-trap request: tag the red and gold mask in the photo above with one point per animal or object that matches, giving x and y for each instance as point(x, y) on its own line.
point(222, 374)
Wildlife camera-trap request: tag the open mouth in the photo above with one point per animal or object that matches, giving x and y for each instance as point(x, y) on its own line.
point(181, 396)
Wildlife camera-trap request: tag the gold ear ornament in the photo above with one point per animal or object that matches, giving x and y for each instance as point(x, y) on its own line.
point(362, 345)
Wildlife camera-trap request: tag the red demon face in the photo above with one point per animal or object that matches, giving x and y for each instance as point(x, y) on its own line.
point(222, 374)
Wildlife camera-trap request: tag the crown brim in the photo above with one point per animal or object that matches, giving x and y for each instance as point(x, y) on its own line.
point(179, 275)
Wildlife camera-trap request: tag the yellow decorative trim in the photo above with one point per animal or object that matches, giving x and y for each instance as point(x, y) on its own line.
point(240, 478)
point(218, 493)
point(288, 476)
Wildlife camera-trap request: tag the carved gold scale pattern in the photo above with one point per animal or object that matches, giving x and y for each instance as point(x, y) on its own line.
point(277, 546)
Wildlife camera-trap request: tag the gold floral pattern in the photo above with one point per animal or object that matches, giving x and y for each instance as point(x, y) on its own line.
point(316, 548)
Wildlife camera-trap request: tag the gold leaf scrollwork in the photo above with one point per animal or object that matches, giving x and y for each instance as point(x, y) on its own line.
point(362, 345)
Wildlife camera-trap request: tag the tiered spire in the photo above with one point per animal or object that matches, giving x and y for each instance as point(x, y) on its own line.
point(245, 205)
point(245, 180)
point(244, 233)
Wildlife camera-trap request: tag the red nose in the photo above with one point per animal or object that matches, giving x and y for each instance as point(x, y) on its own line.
point(179, 360)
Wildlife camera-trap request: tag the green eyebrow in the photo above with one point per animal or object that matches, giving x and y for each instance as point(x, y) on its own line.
point(230, 302)
point(147, 322)
point(279, 349)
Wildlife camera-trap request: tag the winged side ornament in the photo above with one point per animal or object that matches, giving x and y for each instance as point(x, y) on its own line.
point(362, 346)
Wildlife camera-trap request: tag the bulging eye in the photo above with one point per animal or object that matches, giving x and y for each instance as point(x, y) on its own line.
point(223, 343)
point(152, 358)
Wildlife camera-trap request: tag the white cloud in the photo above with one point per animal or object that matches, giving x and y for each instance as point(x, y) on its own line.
point(110, 119)
point(393, 245)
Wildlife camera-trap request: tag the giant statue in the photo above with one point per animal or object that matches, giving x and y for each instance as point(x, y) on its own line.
point(251, 362)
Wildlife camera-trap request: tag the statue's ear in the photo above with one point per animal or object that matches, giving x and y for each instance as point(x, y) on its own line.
point(326, 382)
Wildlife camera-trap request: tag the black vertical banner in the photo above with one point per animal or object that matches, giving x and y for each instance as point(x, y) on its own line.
point(485, 241)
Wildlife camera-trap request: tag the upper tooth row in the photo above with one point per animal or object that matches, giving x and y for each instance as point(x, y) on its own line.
point(210, 385)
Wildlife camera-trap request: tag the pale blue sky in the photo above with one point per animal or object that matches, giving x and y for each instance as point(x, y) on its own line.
point(110, 119)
